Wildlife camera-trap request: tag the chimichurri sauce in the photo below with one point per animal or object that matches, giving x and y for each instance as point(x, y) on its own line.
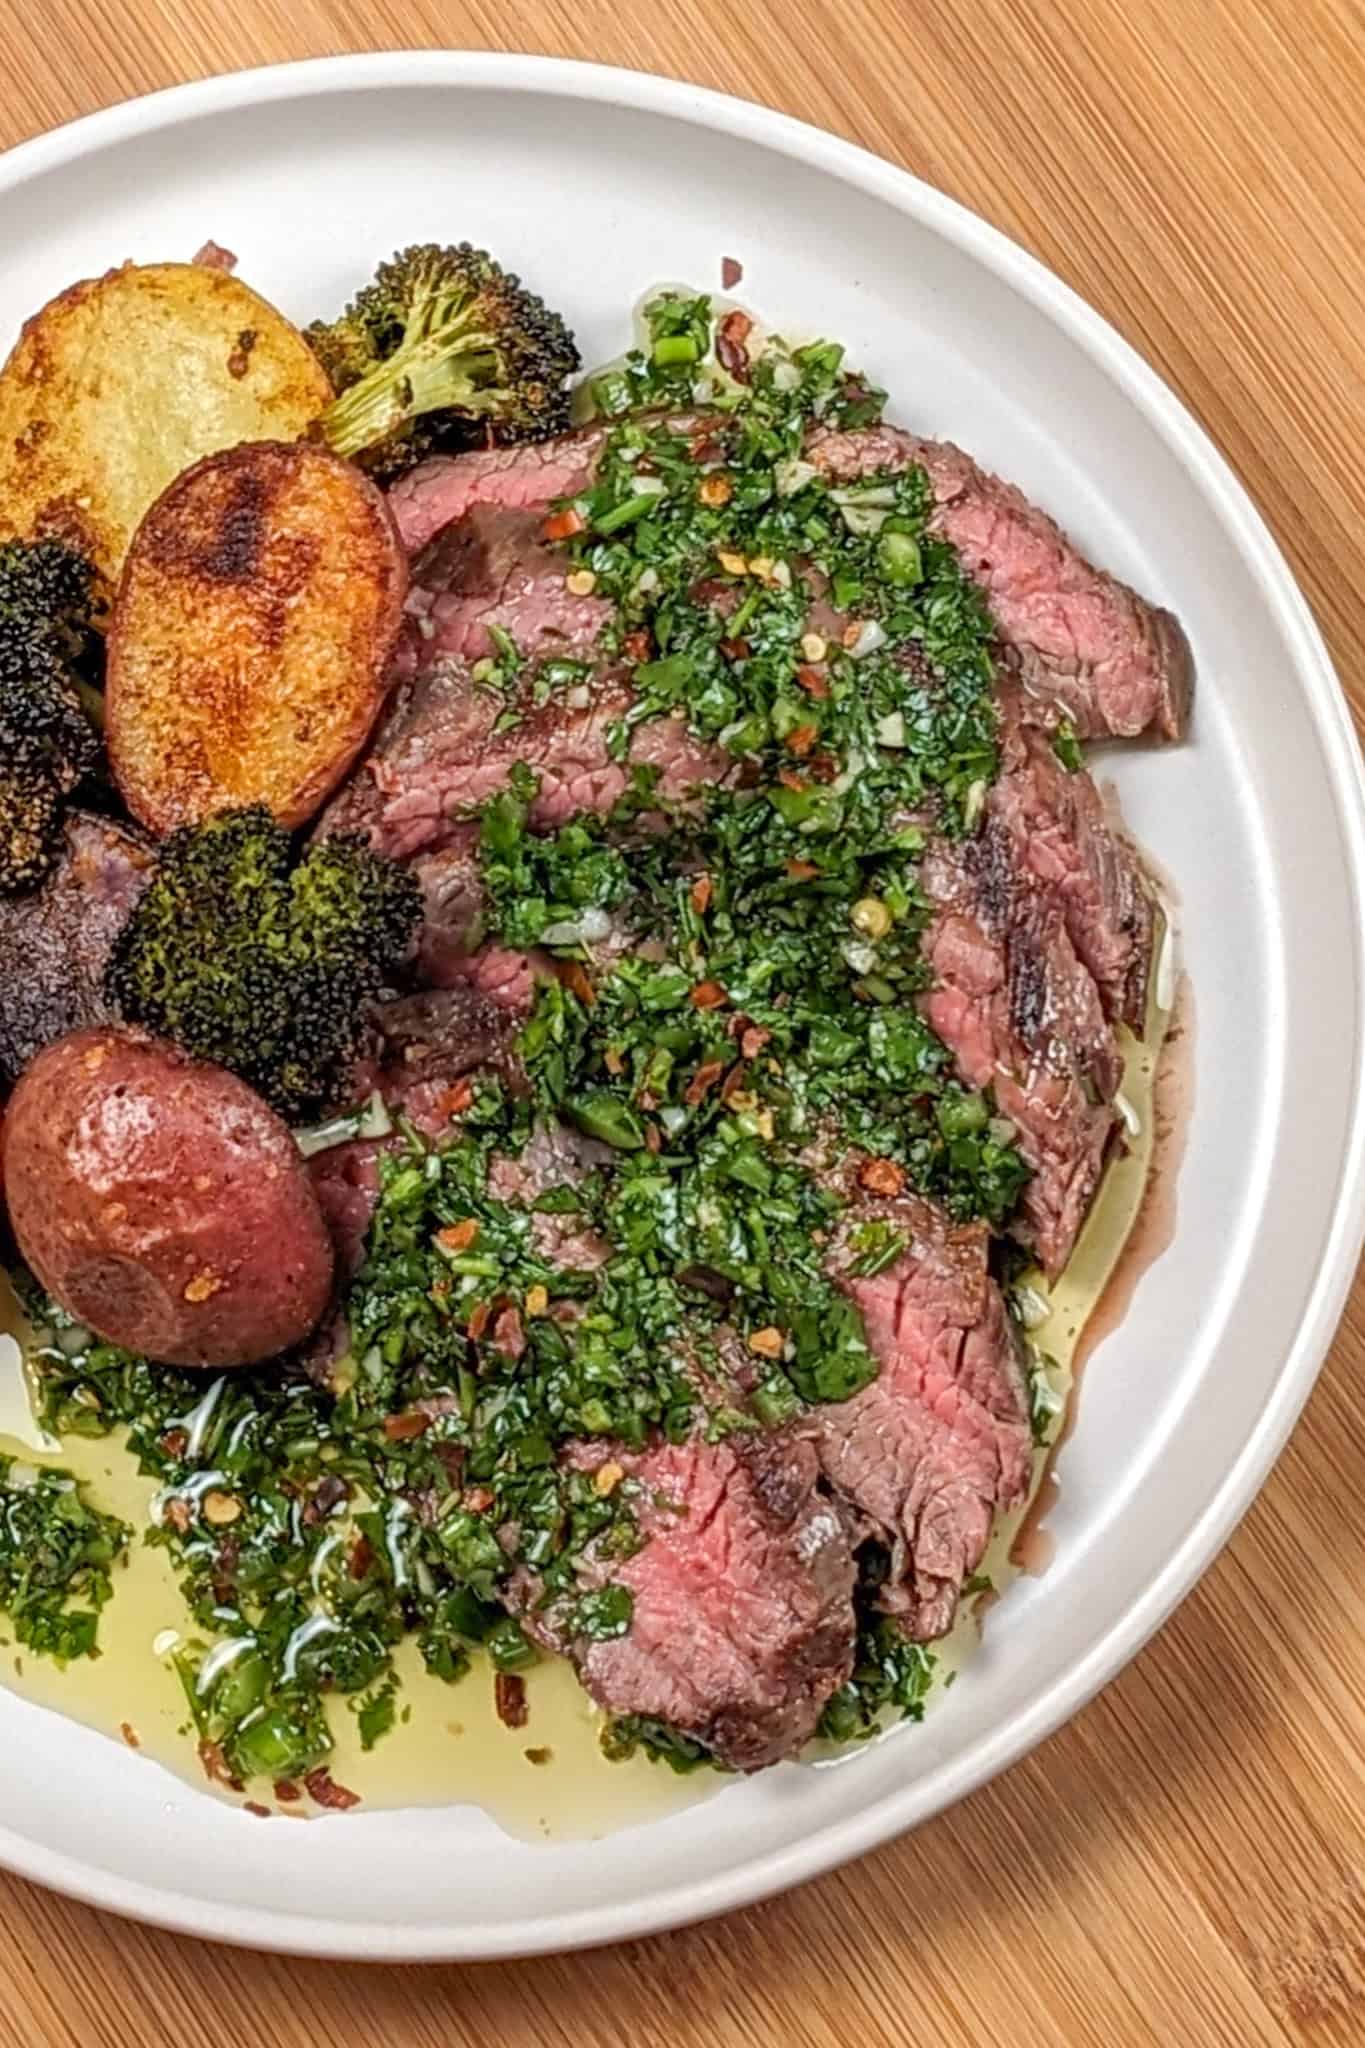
point(733, 1008)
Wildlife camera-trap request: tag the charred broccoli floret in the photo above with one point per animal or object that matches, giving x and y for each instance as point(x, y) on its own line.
point(31, 805)
point(264, 964)
point(442, 348)
point(47, 741)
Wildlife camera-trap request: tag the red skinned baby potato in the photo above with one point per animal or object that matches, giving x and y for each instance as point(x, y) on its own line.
point(162, 1203)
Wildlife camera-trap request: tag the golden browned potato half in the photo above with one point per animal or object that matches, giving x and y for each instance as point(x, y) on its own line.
point(125, 380)
point(250, 644)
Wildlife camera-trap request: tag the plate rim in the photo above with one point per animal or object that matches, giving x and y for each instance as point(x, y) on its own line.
point(856, 1834)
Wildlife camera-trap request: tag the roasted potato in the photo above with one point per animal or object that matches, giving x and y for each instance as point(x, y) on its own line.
point(250, 644)
point(123, 381)
point(162, 1203)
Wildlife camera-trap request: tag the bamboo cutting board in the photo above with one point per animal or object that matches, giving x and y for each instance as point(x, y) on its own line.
point(1186, 1859)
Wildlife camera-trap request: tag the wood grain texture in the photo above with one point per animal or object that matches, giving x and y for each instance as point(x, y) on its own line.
point(1186, 1858)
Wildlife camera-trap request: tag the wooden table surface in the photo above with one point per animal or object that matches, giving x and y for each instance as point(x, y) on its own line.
point(1186, 1858)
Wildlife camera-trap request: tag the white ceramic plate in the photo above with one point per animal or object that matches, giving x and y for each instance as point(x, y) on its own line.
point(597, 184)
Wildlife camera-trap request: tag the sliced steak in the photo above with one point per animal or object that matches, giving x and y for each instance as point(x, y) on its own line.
point(941, 1438)
point(1020, 1013)
point(554, 1157)
point(346, 1182)
point(440, 754)
point(493, 568)
point(55, 943)
point(1060, 836)
point(1089, 648)
point(527, 477)
point(452, 947)
point(431, 1040)
point(742, 1625)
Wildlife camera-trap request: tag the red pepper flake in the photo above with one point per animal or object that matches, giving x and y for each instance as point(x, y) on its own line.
point(509, 1697)
point(177, 1514)
point(215, 1765)
point(731, 272)
point(734, 1081)
point(881, 1176)
point(701, 895)
point(286, 1791)
point(802, 870)
point(708, 995)
point(789, 779)
point(736, 650)
point(731, 353)
point(458, 1237)
point(175, 1442)
point(323, 1788)
point(456, 1100)
point(361, 1558)
point(573, 975)
point(812, 682)
point(130, 1735)
point(254, 1806)
point(802, 738)
point(636, 645)
point(752, 1040)
point(400, 1429)
point(564, 525)
point(211, 256)
point(477, 1500)
point(823, 768)
point(703, 1081)
point(653, 1141)
point(478, 1320)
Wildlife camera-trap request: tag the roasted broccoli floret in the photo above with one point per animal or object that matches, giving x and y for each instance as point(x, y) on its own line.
point(442, 349)
point(31, 806)
point(48, 743)
point(264, 964)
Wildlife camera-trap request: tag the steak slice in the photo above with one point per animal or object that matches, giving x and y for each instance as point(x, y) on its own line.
point(435, 1038)
point(441, 752)
point(742, 1625)
point(1020, 1013)
point(526, 477)
point(492, 567)
point(452, 947)
point(1089, 649)
point(55, 943)
point(554, 1156)
point(1061, 838)
point(941, 1439)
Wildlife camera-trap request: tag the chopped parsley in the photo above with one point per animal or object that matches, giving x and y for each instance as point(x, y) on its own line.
point(734, 1023)
point(56, 1556)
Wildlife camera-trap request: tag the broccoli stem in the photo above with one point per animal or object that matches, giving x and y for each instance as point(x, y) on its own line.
point(424, 376)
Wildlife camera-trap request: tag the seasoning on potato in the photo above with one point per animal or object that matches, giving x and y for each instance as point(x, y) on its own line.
point(250, 645)
point(162, 1203)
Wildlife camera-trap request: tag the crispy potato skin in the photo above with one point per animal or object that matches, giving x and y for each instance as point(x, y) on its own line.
point(124, 380)
point(250, 647)
point(162, 1202)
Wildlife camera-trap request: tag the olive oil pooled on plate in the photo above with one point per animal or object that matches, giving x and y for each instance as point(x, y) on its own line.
point(547, 1780)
